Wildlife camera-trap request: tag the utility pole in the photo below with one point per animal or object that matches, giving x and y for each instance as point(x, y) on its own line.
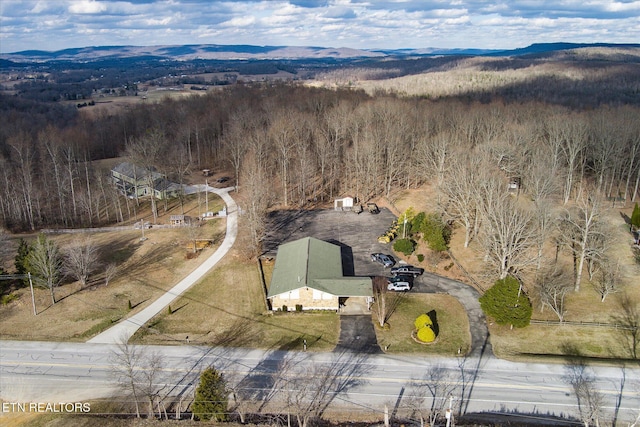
point(23, 276)
point(206, 195)
point(449, 413)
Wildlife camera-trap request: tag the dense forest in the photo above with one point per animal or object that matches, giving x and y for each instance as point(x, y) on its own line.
point(292, 145)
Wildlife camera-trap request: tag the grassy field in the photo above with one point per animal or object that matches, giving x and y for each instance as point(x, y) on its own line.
point(145, 270)
point(451, 319)
point(228, 308)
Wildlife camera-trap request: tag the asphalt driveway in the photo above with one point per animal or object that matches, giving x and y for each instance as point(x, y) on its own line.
point(357, 235)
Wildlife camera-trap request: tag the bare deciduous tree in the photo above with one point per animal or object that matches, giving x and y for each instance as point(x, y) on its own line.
point(580, 226)
point(590, 399)
point(508, 230)
point(459, 189)
point(608, 279)
point(81, 260)
point(552, 285)
point(629, 318)
point(110, 272)
point(45, 262)
point(385, 303)
point(125, 363)
point(430, 394)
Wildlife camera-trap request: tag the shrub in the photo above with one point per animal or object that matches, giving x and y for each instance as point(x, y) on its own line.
point(422, 321)
point(420, 257)
point(169, 310)
point(285, 308)
point(210, 402)
point(6, 299)
point(298, 307)
point(502, 303)
point(129, 305)
point(406, 246)
point(426, 334)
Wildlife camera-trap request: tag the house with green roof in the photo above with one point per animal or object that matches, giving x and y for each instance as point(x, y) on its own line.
point(308, 273)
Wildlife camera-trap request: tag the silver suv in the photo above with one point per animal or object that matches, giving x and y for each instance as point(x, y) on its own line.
point(386, 260)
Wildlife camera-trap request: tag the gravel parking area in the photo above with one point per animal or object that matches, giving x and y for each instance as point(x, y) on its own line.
point(357, 234)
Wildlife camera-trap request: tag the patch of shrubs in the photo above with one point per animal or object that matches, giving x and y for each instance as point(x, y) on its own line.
point(406, 246)
point(424, 328)
point(506, 303)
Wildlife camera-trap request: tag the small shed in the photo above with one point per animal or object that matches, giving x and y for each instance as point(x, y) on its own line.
point(179, 220)
point(344, 204)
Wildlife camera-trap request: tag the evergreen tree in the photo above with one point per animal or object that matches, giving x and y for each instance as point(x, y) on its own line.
point(211, 398)
point(436, 232)
point(21, 257)
point(506, 303)
point(635, 217)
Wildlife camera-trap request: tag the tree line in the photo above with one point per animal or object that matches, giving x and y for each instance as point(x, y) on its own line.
point(295, 146)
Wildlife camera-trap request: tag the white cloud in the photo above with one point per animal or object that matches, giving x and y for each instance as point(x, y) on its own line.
point(51, 24)
point(86, 7)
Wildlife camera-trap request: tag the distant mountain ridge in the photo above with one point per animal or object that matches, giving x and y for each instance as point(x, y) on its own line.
point(252, 52)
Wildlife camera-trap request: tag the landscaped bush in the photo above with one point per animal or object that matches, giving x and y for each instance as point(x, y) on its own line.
point(298, 307)
point(423, 320)
point(426, 334)
point(420, 257)
point(406, 246)
point(285, 308)
point(506, 303)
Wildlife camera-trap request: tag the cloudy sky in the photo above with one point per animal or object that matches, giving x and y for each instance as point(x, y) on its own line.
point(60, 24)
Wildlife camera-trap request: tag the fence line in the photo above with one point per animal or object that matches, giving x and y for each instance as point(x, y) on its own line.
point(588, 324)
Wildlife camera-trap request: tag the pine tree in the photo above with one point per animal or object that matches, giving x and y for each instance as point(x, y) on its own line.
point(21, 257)
point(211, 398)
point(507, 304)
point(635, 217)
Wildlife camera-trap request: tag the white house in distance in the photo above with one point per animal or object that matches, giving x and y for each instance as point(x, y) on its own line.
point(308, 274)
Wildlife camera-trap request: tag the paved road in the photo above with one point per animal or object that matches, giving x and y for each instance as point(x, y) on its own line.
point(127, 327)
point(72, 372)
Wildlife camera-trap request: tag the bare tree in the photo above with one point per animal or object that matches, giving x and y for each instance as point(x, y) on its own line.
point(385, 303)
point(45, 262)
point(508, 232)
point(110, 272)
point(309, 388)
point(125, 362)
point(430, 395)
point(608, 279)
point(81, 260)
point(257, 201)
point(590, 399)
point(552, 285)
point(628, 317)
point(145, 152)
point(150, 383)
point(5, 247)
point(459, 189)
point(580, 226)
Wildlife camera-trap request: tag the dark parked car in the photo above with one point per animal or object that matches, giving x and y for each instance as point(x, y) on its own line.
point(407, 269)
point(384, 259)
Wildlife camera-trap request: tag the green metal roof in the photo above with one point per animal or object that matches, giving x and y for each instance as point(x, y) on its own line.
point(315, 264)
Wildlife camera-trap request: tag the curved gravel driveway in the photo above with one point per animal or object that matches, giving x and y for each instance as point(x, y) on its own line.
point(127, 327)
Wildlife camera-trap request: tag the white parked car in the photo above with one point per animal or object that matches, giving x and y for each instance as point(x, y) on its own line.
point(399, 286)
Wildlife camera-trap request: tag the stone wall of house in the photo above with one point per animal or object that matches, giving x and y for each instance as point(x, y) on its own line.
point(306, 298)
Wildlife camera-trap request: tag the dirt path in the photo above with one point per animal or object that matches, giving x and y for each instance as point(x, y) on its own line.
point(127, 327)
